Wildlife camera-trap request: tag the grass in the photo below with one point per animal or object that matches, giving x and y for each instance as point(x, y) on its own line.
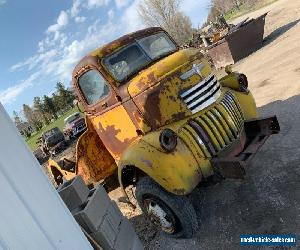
point(244, 9)
point(58, 123)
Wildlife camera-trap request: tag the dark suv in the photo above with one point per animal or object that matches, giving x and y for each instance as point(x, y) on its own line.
point(52, 141)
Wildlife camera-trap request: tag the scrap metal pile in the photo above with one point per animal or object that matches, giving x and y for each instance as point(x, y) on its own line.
point(227, 43)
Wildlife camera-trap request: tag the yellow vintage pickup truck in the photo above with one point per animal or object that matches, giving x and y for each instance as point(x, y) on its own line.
point(159, 116)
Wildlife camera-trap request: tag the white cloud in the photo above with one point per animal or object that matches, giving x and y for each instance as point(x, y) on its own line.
point(111, 14)
point(75, 9)
point(121, 3)
point(62, 21)
point(96, 35)
point(130, 19)
point(96, 3)
point(10, 94)
point(80, 19)
point(59, 51)
point(39, 59)
point(2, 2)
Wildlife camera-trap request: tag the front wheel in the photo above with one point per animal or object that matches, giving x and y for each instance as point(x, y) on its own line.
point(175, 215)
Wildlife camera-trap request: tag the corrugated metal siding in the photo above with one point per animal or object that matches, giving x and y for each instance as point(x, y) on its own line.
point(32, 214)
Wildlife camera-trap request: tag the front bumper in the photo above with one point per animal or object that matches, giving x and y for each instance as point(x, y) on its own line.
point(257, 132)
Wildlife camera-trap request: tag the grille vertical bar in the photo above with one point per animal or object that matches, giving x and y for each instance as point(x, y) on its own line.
point(217, 127)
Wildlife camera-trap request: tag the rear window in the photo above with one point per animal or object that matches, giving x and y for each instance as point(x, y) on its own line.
point(93, 86)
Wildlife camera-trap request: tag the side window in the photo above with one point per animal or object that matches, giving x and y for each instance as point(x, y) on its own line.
point(93, 86)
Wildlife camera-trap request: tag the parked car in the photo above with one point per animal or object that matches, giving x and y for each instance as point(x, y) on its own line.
point(39, 155)
point(52, 141)
point(74, 125)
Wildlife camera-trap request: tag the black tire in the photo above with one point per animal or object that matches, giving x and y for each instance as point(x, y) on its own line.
point(179, 210)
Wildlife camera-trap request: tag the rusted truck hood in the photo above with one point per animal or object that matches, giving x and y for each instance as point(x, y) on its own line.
point(156, 90)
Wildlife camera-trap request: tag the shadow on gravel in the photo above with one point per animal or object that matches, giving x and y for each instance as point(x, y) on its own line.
point(267, 201)
point(279, 32)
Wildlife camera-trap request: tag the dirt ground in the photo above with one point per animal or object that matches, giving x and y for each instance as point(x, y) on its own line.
point(268, 200)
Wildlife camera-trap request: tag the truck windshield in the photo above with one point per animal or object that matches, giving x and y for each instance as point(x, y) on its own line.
point(138, 55)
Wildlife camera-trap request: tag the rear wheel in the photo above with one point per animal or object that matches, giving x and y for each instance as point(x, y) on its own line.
point(174, 215)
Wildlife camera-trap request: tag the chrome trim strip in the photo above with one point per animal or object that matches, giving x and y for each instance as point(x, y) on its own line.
point(203, 97)
point(207, 103)
point(213, 82)
point(182, 95)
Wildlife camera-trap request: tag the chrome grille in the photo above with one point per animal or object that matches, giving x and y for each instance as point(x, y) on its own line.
point(218, 127)
point(202, 94)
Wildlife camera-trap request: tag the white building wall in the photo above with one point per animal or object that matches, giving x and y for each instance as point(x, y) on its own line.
point(32, 215)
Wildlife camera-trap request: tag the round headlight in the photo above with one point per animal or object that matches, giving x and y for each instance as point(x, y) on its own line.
point(168, 139)
point(243, 82)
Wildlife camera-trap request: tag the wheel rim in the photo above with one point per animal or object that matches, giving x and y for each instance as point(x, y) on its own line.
point(160, 215)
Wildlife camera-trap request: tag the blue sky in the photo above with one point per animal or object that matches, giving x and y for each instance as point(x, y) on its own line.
point(41, 41)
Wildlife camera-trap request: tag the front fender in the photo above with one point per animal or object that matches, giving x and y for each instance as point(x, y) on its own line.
point(177, 171)
point(245, 99)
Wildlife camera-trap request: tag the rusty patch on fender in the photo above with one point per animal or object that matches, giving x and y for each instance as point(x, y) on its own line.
point(94, 162)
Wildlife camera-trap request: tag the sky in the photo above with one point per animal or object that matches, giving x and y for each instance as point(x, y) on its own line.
point(42, 41)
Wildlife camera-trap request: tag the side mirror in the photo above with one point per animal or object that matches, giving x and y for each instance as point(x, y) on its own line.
point(77, 104)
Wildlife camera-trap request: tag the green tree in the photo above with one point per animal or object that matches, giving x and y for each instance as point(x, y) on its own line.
point(49, 106)
point(58, 103)
point(66, 97)
point(39, 108)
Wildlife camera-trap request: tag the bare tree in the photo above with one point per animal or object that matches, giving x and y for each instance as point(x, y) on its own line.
point(166, 14)
point(32, 117)
point(219, 7)
point(17, 118)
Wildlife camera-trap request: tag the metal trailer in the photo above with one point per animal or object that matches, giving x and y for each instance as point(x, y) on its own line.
point(239, 43)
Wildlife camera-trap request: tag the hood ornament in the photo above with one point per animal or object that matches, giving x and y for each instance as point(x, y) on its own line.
point(196, 69)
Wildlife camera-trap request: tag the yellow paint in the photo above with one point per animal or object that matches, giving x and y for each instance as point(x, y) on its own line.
point(230, 81)
point(163, 82)
point(66, 174)
point(94, 162)
point(180, 62)
point(223, 122)
point(220, 128)
point(177, 172)
point(181, 170)
point(248, 105)
point(246, 100)
point(120, 120)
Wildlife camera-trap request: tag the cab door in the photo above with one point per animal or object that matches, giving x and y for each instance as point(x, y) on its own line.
point(106, 112)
